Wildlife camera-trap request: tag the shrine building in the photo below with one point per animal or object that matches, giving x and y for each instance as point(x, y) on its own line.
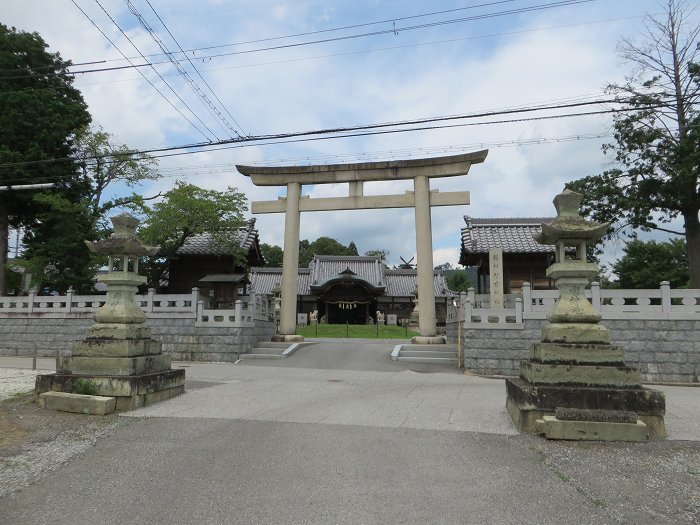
point(524, 260)
point(350, 289)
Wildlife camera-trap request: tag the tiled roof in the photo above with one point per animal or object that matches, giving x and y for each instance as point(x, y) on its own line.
point(402, 283)
point(324, 267)
point(263, 280)
point(200, 244)
point(397, 283)
point(511, 234)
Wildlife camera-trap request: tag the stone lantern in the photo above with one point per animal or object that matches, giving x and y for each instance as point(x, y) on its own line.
point(123, 250)
point(118, 356)
point(277, 298)
point(576, 384)
point(573, 319)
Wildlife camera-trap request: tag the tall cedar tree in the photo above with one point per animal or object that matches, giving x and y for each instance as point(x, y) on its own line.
point(40, 114)
point(656, 177)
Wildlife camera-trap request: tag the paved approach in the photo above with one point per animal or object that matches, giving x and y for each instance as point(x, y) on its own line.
point(339, 433)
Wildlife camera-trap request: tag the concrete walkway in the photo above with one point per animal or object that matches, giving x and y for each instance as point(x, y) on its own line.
point(356, 383)
point(339, 433)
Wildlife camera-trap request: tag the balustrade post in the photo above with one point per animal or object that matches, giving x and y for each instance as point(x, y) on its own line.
point(518, 310)
point(195, 299)
point(238, 312)
point(665, 296)
point(69, 299)
point(467, 310)
point(199, 311)
point(595, 296)
point(150, 297)
point(527, 299)
point(471, 295)
point(31, 297)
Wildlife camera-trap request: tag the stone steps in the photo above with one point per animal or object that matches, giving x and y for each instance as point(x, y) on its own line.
point(435, 354)
point(434, 360)
point(273, 350)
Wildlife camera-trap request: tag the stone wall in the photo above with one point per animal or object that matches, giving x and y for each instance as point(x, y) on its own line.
point(664, 351)
point(28, 336)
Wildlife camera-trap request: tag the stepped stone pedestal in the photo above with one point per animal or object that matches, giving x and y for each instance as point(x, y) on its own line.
point(576, 384)
point(118, 357)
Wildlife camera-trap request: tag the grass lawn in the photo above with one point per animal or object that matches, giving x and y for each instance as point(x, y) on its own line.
point(357, 331)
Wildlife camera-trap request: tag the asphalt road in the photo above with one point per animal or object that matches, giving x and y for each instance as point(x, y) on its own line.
point(340, 434)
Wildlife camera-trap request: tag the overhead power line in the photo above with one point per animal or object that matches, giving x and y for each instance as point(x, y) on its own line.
point(140, 72)
point(364, 130)
point(393, 30)
point(211, 107)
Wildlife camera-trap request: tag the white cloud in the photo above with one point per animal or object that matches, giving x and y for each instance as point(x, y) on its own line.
point(292, 93)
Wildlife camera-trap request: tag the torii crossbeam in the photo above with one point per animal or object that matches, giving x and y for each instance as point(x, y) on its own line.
point(421, 199)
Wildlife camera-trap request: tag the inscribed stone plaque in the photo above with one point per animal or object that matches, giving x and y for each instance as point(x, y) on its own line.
point(496, 280)
point(302, 319)
point(391, 319)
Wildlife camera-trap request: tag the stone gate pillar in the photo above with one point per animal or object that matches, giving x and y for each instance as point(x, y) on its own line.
point(424, 256)
point(290, 262)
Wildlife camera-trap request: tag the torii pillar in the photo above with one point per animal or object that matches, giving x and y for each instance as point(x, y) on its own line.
point(421, 199)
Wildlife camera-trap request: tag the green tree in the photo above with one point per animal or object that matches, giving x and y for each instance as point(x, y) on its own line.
point(656, 177)
point(646, 264)
point(188, 210)
point(382, 254)
point(40, 115)
point(323, 246)
point(56, 254)
point(273, 255)
point(56, 242)
point(458, 281)
point(104, 163)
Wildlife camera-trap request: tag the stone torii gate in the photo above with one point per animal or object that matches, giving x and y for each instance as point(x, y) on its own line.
point(421, 199)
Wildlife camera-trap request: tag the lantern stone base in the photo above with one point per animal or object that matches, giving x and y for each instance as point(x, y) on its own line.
point(527, 402)
point(131, 392)
point(118, 360)
point(554, 428)
point(576, 333)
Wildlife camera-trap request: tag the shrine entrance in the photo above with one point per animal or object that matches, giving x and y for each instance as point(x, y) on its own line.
point(421, 199)
point(347, 298)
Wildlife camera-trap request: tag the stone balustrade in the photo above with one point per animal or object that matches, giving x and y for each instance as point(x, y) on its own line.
point(658, 329)
point(248, 309)
point(663, 303)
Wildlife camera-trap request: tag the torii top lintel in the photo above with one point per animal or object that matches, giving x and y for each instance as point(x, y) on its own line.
point(448, 166)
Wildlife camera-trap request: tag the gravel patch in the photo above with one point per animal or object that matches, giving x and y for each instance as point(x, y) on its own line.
point(14, 381)
point(34, 441)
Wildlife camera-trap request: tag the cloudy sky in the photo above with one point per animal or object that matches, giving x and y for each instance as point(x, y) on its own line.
point(279, 66)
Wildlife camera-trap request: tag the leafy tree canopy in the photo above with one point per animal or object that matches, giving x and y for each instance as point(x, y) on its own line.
point(40, 115)
point(273, 255)
point(656, 148)
point(54, 240)
point(646, 264)
point(56, 255)
point(103, 164)
point(187, 210)
point(460, 280)
point(323, 246)
point(444, 266)
point(382, 254)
